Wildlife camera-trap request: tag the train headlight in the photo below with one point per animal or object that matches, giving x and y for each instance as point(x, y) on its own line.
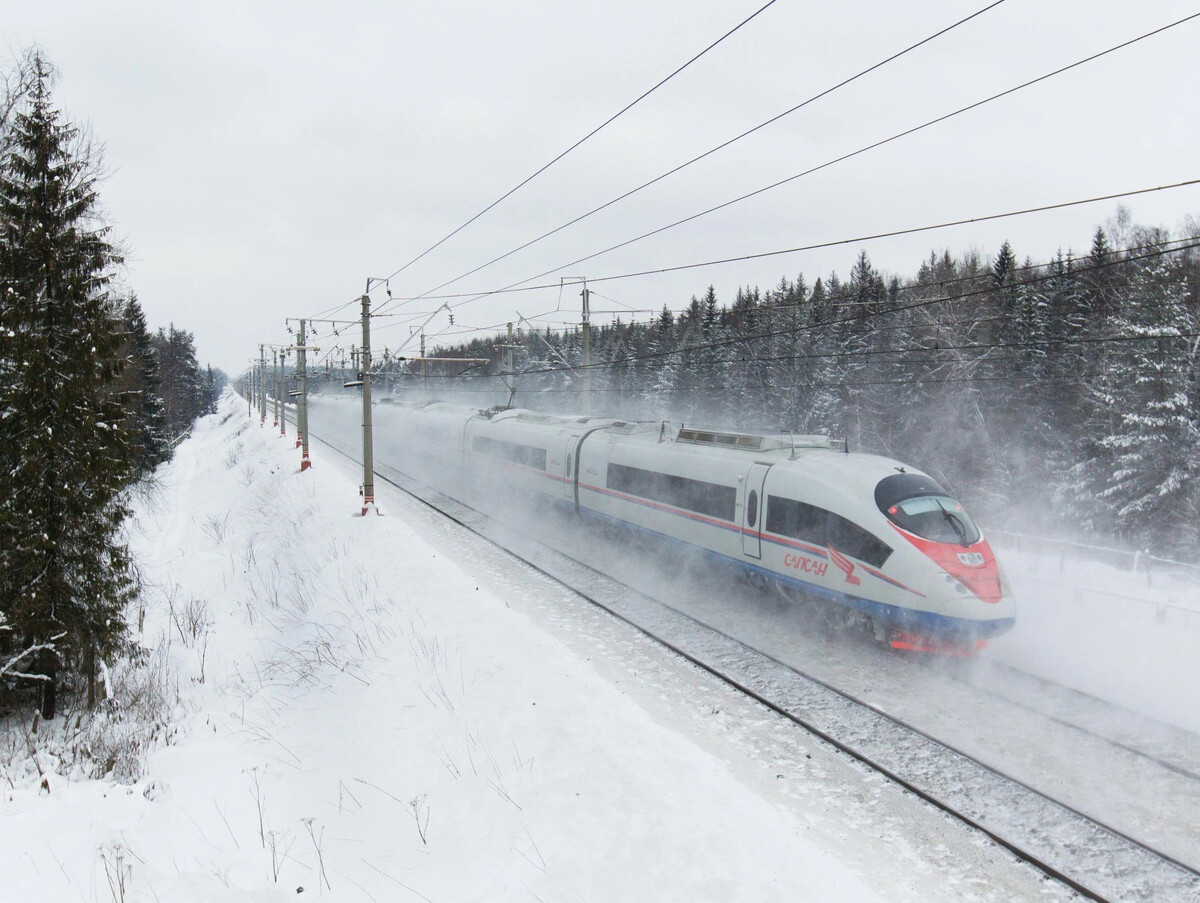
point(958, 585)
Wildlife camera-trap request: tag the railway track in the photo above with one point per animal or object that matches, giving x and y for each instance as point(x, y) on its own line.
point(1166, 747)
point(1096, 860)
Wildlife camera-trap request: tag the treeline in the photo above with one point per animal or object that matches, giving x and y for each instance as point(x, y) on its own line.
point(90, 403)
point(164, 384)
point(1052, 396)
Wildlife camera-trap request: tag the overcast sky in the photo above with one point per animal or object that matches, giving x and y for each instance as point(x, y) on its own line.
point(267, 158)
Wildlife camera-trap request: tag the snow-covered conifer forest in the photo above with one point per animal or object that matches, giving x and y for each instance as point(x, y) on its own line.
point(91, 401)
point(1058, 396)
point(217, 682)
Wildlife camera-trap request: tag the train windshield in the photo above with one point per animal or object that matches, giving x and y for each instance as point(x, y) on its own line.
point(919, 505)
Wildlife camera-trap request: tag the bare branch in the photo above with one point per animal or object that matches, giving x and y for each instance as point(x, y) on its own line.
point(15, 85)
point(6, 670)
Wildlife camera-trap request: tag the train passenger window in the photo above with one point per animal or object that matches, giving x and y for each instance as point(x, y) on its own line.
point(711, 499)
point(751, 508)
point(798, 520)
point(808, 523)
point(527, 455)
point(851, 539)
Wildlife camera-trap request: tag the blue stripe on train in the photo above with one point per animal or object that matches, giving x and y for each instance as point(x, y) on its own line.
point(923, 622)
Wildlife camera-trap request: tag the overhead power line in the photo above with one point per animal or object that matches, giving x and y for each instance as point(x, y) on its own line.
point(1158, 250)
point(719, 147)
point(875, 236)
point(986, 349)
point(862, 150)
point(962, 222)
point(843, 298)
point(984, 358)
point(590, 134)
point(965, 323)
point(693, 390)
point(856, 240)
point(887, 312)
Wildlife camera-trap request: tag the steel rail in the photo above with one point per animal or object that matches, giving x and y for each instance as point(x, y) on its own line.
point(1135, 870)
point(1142, 753)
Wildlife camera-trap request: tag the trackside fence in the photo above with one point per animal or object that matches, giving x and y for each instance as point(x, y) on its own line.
point(1172, 580)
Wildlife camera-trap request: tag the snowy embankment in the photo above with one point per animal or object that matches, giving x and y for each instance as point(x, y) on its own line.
point(1132, 639)
point(359, 717)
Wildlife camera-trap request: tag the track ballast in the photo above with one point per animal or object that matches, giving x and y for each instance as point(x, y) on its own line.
point(1092, 858)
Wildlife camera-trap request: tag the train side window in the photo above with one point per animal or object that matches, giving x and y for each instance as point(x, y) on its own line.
point(799, 520)
point(527, 455)
point(808, 523)
point(851, 539)
point(711, 499)
point(751, 508)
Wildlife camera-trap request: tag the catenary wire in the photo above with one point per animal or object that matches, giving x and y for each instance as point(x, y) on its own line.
point(527, 180)
point(876, 236)
point(689, 390)
point(847, 156)
point(842, 298)
point(981, 359)
point(1156, 249)
point(717, 148)
point(927, 302)
point(590, 134)
point(910, 350)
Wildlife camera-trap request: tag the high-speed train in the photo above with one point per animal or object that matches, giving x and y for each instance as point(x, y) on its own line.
point(885, 543)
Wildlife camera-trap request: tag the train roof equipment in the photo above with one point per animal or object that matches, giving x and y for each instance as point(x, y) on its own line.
point(749, 441)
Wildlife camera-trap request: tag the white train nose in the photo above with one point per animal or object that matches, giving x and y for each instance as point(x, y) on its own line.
point(977, 616)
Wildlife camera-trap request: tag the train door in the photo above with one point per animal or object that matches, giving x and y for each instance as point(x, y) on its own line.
point(568, 475)
point(753, 510)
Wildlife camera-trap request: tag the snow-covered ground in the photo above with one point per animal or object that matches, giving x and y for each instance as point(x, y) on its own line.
point(387, 708)
point(1130, 638)
point(1124, 637)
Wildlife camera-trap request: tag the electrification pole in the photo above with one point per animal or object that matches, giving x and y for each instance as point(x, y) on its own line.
point(262, 388)
point(302, 407)
point(508, 353)
point(587, 351)
point(368, 487)
point(281, 395)
point(275, 385)
point(508, 366)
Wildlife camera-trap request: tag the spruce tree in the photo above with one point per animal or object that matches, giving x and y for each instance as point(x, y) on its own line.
point(213, 382)
point(1154, 442)
point(870, 334)
point(794, 370)
point(141, 382)
point(64, 458)
point(1065, 360)
point(709, 317)
point(1100, 287)
point(182, 383)
point(823, 414)
point(1011, 308)
point(664, 364)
